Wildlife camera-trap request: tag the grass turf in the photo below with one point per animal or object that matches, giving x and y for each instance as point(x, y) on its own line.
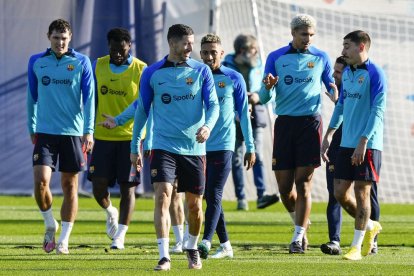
point(259, 239)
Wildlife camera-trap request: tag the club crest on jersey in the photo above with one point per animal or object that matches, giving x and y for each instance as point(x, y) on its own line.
point(91, 169)
point(361, 79)
point(189, 81)
point(311, 64)
point(221, 84)
point(154, 172)
point(35, 157)
point(70, 67)
point(104, 89)
point(273, 161)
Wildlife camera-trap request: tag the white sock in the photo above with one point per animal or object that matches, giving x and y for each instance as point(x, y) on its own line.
point(226, 245)
point(48, 219)
point(192, 242)
point(298, 234)
point(110, 209)
point(358, 238)
point(207, 243)
point(293, 215)
point(122, 229)
point(178, 232)
point(370, 225)
point(186, 233)
point(163, 250)
point(65, 233)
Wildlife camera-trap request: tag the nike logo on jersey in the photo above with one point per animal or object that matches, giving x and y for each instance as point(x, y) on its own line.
point(114, 79)
point(43, 66)
point(161, 83)
point(284, 65)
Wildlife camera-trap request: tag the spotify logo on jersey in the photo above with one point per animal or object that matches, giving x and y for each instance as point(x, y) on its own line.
point(166, 98)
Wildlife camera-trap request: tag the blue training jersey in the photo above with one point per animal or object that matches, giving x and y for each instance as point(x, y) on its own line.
point(361, 106)
point(301, 74)
point(232, 96)
point(60, 98)
point(183, 99)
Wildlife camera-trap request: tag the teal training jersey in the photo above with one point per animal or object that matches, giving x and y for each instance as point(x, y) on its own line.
point(60, 98)
point(361, 106)
point(232, 96)
point(301, 74)
point(183, 99)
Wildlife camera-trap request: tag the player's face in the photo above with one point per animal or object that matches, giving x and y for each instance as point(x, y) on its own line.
point(211, 54)
point(180, 49)
point(119, 51)
point(248, 56)
point(337, 74)
point(351, 52)
point(302, 38)
point(59, 42)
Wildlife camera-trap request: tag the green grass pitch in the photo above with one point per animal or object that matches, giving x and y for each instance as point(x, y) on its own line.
point(259, 238)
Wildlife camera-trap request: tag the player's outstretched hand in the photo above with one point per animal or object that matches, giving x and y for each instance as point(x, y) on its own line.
point(202, 134)
point(109, 122)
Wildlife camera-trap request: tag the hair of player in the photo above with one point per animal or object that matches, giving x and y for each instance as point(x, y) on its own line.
point(244, 41)
point(341, 60)
point(210, 38)
point(118, 35)
point(59, 25)
point(302, 20)
point(177, 31)
point(359, 37)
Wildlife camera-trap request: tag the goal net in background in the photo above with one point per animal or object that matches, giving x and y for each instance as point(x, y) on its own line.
point(391, 27)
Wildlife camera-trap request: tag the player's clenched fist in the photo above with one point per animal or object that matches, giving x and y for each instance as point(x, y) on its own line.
point(270, 81)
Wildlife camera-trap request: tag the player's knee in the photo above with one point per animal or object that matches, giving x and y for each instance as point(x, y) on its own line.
point(127, 191)
point(285, 190)
point(194, 206)
point(41, 184)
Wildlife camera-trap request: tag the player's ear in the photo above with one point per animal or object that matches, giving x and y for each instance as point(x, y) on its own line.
point(171, 42)
point(361, 47)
